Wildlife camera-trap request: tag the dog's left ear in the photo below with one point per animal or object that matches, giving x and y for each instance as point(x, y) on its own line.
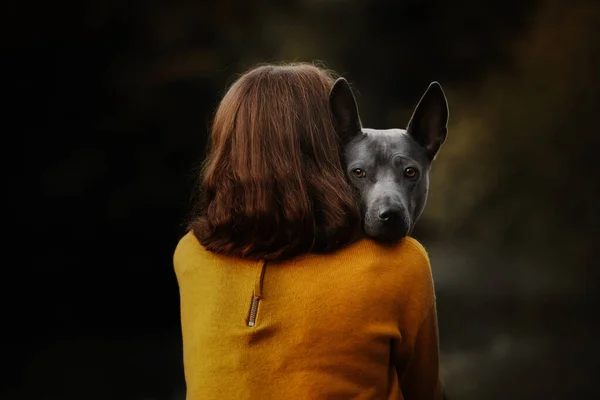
point(344, 110)
point(428, 124)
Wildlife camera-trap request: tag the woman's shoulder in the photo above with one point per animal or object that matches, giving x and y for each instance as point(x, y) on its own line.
point(188, 248)
point(186, 243)
point(407, 251)
point(403, 264)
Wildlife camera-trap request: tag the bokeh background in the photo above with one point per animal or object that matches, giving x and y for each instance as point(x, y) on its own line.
point(108, 103)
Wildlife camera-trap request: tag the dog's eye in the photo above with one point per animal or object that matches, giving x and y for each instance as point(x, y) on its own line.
point(410, 172)
point(359, 173)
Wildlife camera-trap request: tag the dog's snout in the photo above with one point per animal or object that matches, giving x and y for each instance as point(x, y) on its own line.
point(388, 221)
point(390, 213)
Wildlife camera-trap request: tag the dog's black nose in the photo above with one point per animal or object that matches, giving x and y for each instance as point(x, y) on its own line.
point(390, 213)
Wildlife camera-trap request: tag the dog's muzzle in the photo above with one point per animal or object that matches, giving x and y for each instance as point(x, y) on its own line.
point(387, 223)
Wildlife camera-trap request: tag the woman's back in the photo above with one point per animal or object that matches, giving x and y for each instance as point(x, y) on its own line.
point(326, 316)
point(358, 323)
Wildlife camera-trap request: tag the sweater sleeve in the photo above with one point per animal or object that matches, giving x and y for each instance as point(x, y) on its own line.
point(417, 354)
point(421, 376)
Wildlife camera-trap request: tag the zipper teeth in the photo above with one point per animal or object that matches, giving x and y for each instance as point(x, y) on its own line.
point(253, 311)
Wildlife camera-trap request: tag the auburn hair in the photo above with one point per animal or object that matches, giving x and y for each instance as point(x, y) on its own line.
point(272, 185)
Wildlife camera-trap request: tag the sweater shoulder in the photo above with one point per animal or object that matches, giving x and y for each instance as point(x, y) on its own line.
point(407, 254)
point(414, 260)
point(402, 268)
point(414, 251)
point(188, 249)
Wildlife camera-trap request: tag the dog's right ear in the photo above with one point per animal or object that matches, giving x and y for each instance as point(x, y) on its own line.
point(344, 109)
point(428, 124)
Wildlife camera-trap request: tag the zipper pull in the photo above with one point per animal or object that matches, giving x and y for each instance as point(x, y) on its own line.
point(257, 294)
point(253, 311)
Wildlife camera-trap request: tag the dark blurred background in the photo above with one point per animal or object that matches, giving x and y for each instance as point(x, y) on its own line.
point(109, 104)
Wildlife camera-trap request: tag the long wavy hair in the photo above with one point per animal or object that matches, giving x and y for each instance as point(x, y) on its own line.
point(272, 185)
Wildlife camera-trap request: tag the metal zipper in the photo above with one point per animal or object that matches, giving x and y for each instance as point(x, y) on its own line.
point(257, 294)
point(253, 310)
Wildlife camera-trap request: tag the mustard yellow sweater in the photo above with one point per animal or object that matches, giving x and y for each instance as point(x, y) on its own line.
point(357, 324)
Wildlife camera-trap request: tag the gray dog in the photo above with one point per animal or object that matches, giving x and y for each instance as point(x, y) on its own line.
point(390, 167)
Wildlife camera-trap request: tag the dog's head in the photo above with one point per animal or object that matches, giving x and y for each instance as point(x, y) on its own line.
point(390, 167)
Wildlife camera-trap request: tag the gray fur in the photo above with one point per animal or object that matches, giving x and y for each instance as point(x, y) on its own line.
point(391, 199)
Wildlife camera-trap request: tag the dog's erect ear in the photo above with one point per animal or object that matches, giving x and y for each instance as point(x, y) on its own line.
point(344, 109)
point(428, 124)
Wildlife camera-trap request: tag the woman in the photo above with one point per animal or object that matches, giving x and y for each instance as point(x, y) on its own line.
point(280, 297)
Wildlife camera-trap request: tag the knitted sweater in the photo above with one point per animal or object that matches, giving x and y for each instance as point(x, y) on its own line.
point(359, 323)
